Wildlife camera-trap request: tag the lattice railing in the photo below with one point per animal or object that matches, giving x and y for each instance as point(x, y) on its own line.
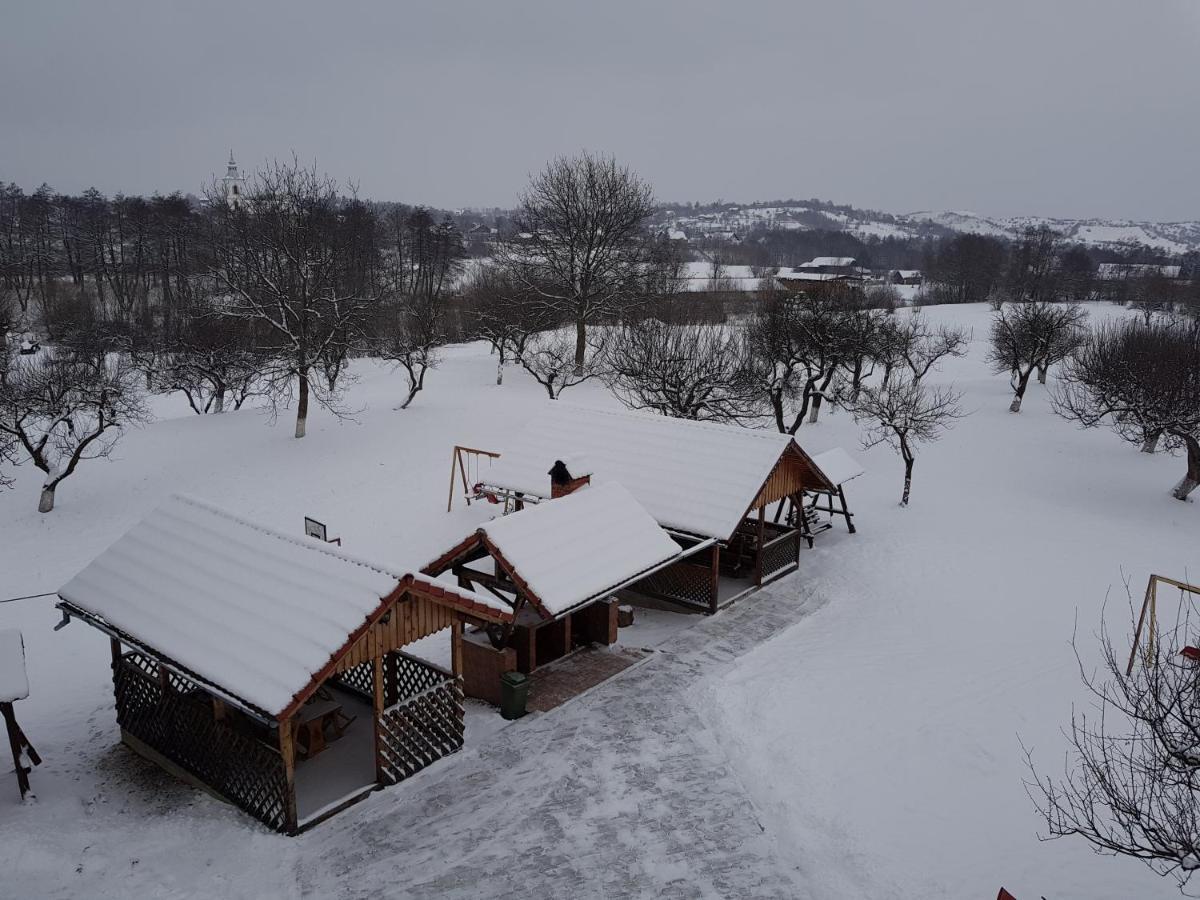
point(682, 582)
point(780, 554)
point(426, 724)
point(360, 679)
point(178, 722)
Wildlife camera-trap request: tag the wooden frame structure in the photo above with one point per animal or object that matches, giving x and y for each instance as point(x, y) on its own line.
point(1150, 605)
point(21, 748)
point(245, 755)
point(461, 462)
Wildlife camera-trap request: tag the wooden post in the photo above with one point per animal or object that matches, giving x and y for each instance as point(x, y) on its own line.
point(456, 647)
point(453, 462)
point(845, 509)
point(378, 683)
point(287, 750)
point(17, 742)
point(1137, 634)
point(762, 523)
point(716, 578)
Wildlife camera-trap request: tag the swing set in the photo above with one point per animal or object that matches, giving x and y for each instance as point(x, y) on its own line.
point(1150, 604)
point(464, 466)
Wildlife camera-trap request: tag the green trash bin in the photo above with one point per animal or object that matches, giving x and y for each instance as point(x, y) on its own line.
point(514, 691)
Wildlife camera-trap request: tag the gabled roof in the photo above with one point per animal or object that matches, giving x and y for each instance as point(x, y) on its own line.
point(579, 547)
point(14, 684)
point(252, 611)
point(693, 477)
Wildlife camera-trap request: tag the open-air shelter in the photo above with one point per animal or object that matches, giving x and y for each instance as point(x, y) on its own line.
point(269, 669)
point(704, 483)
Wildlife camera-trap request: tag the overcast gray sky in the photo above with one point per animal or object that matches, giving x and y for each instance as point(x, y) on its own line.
point(1057, 107)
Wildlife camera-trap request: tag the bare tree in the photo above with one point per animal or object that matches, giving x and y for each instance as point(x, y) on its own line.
point(1032, 336)
point(687, 371)
point(581, 246)
point(507, 314)
point(409, 334)
point(923, 346)
point(1143, 382)
point(551, 357)
point(903, 413)
point(63, 407)
point(1130, 784)
point(286, 258)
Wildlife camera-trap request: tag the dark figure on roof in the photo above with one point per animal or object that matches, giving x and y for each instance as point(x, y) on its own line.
point(559, 474)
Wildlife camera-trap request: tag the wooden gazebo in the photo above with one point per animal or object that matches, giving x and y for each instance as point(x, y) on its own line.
point(705, 483)
point(558, 566)
point(268, 669)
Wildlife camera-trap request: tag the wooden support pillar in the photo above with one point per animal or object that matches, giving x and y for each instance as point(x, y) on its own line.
point(378, 706)
point(715, 574)
point(287, 750)
point(758, 552)
point(456, 648)
point(845, 510)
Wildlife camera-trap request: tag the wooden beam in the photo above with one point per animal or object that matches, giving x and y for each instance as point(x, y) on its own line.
point(378, 705)
point(716, 578)
point(287, 749)
point(456, 647)
point(762, 522)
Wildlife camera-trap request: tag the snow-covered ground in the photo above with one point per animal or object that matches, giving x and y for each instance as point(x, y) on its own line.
point(874, 737)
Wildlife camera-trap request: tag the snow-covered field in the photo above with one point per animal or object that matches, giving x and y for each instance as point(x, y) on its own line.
point(877, 737)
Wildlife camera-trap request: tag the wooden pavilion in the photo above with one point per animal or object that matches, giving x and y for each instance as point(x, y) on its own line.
point(732, 497)
point(558, 566)
point(268, 669)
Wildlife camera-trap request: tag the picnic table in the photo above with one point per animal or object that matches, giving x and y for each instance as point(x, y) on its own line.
point(310, 722)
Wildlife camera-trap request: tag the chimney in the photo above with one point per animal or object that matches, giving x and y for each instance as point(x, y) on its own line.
point(562, 482)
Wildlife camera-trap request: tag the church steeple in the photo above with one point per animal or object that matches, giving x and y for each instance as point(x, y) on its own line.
point(233, 183)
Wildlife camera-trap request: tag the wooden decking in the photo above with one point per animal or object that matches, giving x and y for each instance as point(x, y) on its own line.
point(555, 684)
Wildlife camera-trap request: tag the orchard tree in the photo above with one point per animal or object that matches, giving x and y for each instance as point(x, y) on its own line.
point(1143, 382)
point(687, 371)
point(581, 246)
point(904, 413)
point(551, 358)
point(922, 346)
point(1029, 337)
point(288, 259)
point(64, 406)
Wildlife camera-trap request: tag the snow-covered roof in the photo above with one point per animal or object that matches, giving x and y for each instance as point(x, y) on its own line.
point(695, 477)
point(251, 610)
point(819, 261)
point(909, 273)
point(809, 276)
point(14, 683)
point(581, 546)
point(838, 465)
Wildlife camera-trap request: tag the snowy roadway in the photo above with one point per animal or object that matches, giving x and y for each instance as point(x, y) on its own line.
point(623, 792)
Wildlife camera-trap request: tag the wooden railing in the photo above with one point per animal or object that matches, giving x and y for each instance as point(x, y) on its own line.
point(425, 723)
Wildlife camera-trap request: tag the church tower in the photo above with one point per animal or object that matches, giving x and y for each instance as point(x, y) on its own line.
point(233, 183)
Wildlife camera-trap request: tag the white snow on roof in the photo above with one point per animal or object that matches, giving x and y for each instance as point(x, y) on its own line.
point(838, 465)
point(14, 683)
point(828, 261)
point(578, 547)
point(254, 611)
point(696, 477)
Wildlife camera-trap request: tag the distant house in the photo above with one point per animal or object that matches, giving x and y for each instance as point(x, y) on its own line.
point(905, 276)
point(675, 234)
point(831, 265)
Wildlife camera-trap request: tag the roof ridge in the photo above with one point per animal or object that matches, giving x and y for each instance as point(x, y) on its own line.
point(306, 543)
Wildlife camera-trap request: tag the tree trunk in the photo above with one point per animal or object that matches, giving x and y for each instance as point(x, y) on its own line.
point(1023, 383)
point(219, 401)
point(1191, 480)
point(46, 502)
point(1042, 374)
point(1150, 444)
point(302, 406)
point(907, 473)
point(816, 408)
point(580, 345)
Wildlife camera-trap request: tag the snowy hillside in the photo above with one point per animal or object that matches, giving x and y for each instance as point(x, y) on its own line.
point(1169, 237)
point(850, 732)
